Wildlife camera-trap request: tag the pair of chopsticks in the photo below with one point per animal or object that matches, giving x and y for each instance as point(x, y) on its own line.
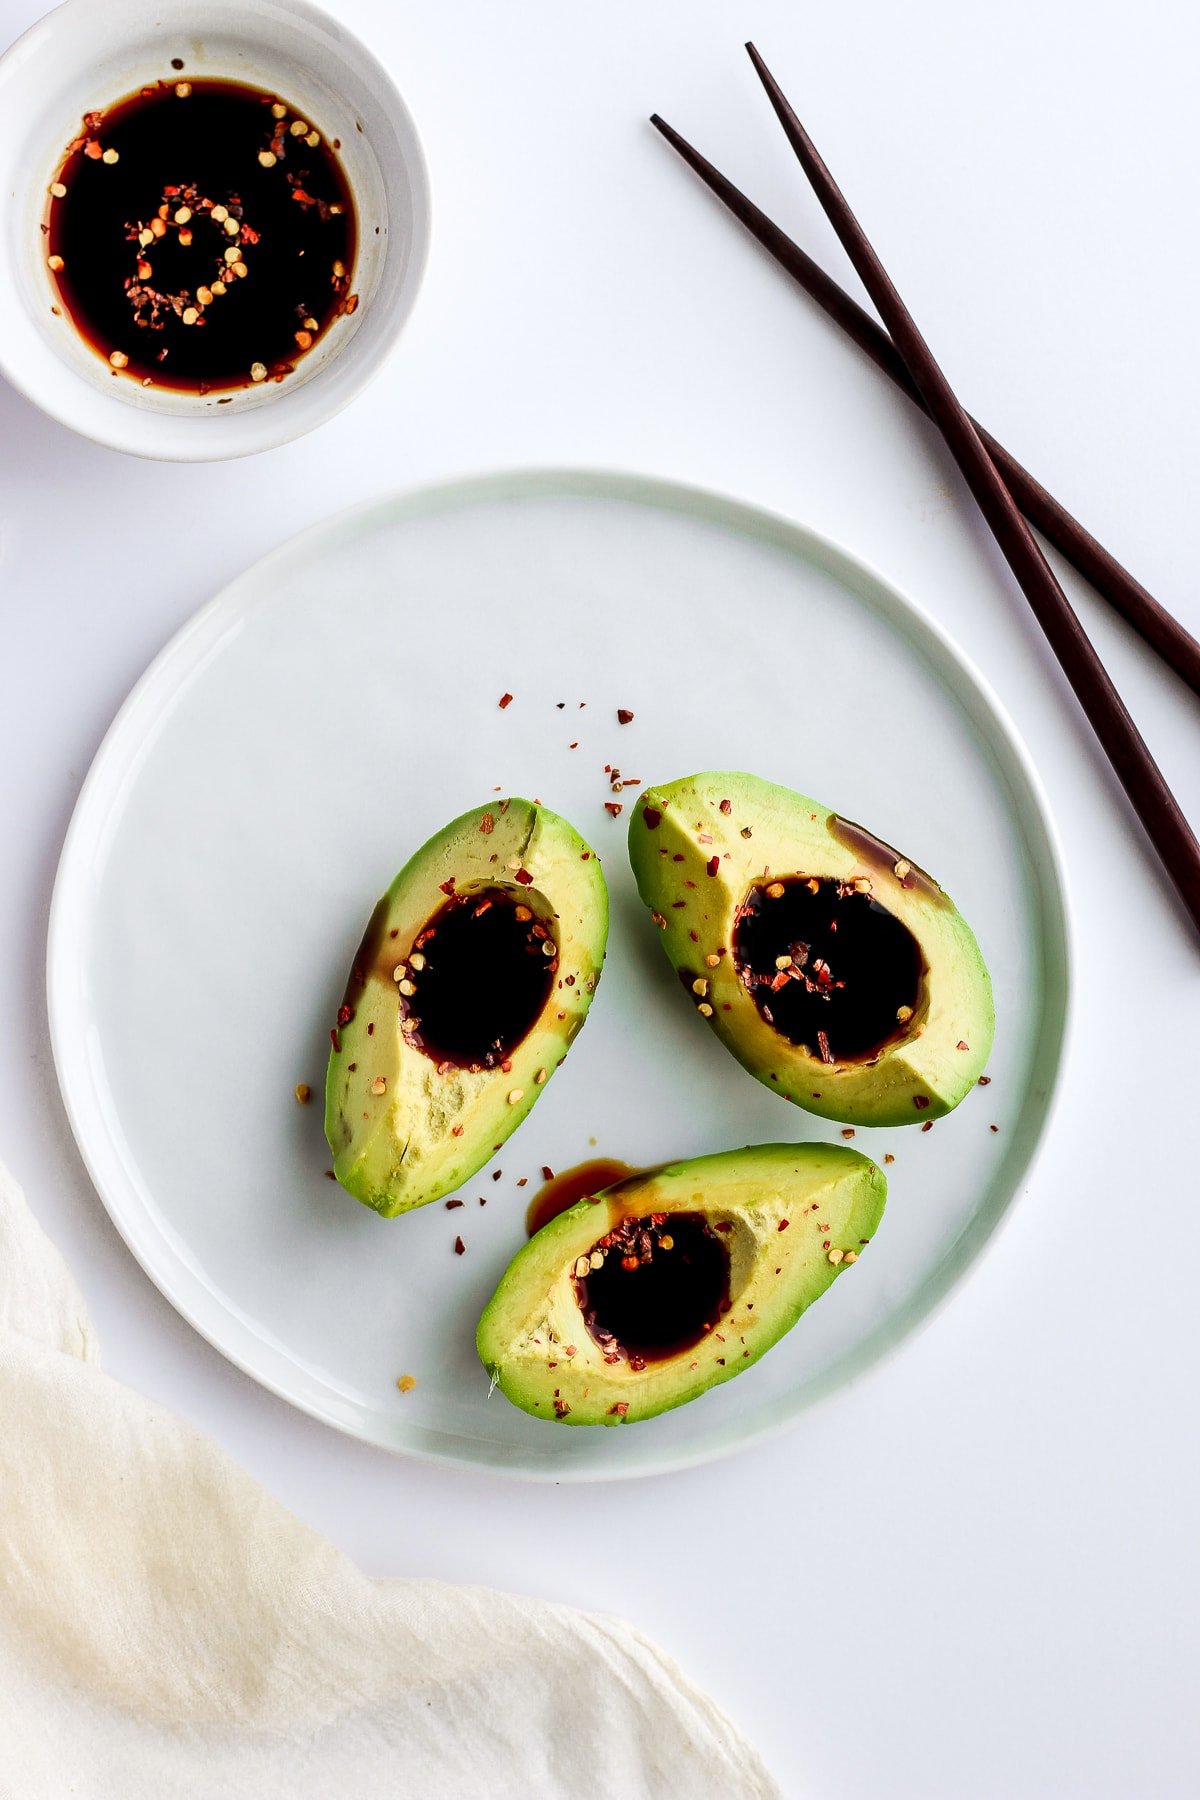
point(1006, 494)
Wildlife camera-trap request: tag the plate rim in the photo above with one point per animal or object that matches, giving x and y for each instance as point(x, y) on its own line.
point(547, 480)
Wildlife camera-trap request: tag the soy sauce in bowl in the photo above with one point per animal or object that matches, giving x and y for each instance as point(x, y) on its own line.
point(201, 236)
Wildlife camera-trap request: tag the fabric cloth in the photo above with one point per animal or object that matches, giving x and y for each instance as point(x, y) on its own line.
point(168, 1630)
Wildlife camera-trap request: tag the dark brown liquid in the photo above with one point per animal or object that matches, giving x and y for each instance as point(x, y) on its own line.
point(879, 857)
point(188, 173)
point(854, 973)
point(662, 1285)
point(584, 1181)
point(481, 970)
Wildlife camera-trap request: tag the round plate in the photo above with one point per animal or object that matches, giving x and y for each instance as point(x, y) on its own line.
point(335, 706)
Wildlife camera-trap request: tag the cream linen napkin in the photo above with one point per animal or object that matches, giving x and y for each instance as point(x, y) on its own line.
point(167, 1629)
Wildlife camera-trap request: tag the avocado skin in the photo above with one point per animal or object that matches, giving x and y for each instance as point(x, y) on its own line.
point(426, 1133)
point(832, 1199)
point(706, 839)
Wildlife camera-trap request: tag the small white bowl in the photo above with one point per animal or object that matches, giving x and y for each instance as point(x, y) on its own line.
point(85, 56)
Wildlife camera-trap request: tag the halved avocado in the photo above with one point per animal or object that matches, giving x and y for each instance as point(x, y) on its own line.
point(833, 968)
point(475, 973)
point(670, 1282)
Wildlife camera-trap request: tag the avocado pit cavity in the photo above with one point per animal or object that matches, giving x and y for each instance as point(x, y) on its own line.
point(653, 1286)
point(827, 966)
point(477, 978)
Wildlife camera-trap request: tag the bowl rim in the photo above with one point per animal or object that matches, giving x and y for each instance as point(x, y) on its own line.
point(113, 424)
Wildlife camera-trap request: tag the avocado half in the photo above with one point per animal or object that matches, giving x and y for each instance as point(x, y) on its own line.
point(474, 975)
point(836, 971)
point(673, 1281)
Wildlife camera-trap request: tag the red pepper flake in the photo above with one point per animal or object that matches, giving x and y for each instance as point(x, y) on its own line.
point(726, 807)
point(984, 1081)
point(695, 936)
point(487, 824)
point(888, 1157)
point(329, 1175)
point(459, 1246)
point(993, 1128)
point(624, 716)
point(712, 865)
point(614, 808)
point(920, 1101)
point(505, 700)
point(456, 1130)
point(573, 746)
point(344, 1015)
point(847, 1131)
point(928, 1125)
point(783, 1225)
point(524, 1181)
point(619, 1410)
point(561, 1408)
point(496, 1174)
point(451, 1204)
point(961, 1046)
point(547, 1172)
point(826, 1053)
point(447, 887)
point(335, 1040)
point(525, 878)
point(651, 817)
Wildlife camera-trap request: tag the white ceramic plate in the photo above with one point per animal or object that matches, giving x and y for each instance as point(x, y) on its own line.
point(337, 704)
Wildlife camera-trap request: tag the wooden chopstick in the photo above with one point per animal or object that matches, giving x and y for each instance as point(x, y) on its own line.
point(1151, 620)
point(1139, 774)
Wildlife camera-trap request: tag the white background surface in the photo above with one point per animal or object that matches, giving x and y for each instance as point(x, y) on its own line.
point(976, 1572)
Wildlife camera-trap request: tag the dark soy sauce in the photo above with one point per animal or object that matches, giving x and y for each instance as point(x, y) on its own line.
point(582, 1182)
point(477, 978)
point(827, 966)
point(200, 240)
point(662, 1285)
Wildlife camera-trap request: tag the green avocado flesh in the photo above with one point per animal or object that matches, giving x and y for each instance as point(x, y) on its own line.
point(475, 973)
point(673, 1281)
point(833, 968)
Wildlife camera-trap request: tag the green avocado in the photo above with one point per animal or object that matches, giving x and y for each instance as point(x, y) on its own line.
point(833, 968)
point(672, 1281)
point(475, 973)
